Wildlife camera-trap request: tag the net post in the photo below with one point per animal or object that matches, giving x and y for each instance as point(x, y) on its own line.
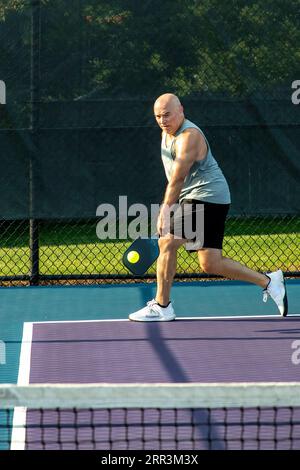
point(34, 127)
point(34, 251)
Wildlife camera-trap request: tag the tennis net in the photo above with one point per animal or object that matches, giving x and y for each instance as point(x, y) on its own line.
point(150, 416)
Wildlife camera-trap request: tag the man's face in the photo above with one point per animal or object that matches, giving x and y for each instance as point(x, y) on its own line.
point(168, 116)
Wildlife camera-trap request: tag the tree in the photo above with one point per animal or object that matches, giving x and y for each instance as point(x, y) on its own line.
point(136, 49)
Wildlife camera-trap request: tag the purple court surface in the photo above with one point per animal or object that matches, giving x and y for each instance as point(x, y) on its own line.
point(186, 350)
point(223, 333)
point(206, 350)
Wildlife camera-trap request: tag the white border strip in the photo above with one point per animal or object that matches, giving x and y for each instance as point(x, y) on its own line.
point(18, 434)
point(145, 395)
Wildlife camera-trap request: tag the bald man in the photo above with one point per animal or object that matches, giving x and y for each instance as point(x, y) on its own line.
point(195, 181)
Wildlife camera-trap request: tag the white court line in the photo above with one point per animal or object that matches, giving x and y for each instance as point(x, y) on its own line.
point(231, 317)
point(18, 435)
point(19, 420)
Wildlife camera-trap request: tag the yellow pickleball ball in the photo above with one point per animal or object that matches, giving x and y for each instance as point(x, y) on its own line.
point(133, 257)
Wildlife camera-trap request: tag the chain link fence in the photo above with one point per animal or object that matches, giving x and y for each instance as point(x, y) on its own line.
point(77, 129)
point(69, 251)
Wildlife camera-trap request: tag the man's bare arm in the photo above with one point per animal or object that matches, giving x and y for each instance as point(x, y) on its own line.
point(190, 147)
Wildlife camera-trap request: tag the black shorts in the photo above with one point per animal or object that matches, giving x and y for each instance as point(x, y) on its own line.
point(201, 223)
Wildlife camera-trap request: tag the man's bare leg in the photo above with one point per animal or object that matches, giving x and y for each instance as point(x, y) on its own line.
point(213, 262)
point(166, 267)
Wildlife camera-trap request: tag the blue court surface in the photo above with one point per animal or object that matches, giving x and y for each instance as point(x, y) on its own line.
point(223, 322)
point(223, 333)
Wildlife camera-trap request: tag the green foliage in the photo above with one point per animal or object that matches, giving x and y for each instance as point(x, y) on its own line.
point(132, 48)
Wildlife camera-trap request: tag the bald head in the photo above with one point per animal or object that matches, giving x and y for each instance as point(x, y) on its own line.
point(168, 112)
point(168, 99)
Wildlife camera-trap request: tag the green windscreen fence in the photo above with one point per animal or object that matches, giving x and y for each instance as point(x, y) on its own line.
point(77, 128)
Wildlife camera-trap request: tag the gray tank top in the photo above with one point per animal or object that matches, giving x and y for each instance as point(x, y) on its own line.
point(205, 180)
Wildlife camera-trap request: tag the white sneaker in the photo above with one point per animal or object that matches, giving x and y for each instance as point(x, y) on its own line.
point(153, 312)
point(276, 289)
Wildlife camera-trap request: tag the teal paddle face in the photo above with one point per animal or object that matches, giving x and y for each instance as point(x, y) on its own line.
point(147, 250)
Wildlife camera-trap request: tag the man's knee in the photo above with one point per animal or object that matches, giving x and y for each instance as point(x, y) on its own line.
point(210, 266)
point(167, 244)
